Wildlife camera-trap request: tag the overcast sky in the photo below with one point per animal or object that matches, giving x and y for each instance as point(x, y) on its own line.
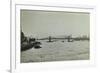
point(47, 23)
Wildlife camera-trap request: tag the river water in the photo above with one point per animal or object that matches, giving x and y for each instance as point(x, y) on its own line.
point(57, 51)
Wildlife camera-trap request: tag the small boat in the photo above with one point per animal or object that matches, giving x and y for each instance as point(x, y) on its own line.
point(26, 46)
point(28, 43)
point(37, 45)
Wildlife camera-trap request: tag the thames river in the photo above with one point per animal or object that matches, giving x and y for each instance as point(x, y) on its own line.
point(57, 51)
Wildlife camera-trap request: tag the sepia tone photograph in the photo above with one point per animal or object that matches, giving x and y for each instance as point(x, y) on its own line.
point(54, 36)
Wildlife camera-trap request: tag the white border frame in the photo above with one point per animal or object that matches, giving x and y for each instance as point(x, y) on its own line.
point(15, 27)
